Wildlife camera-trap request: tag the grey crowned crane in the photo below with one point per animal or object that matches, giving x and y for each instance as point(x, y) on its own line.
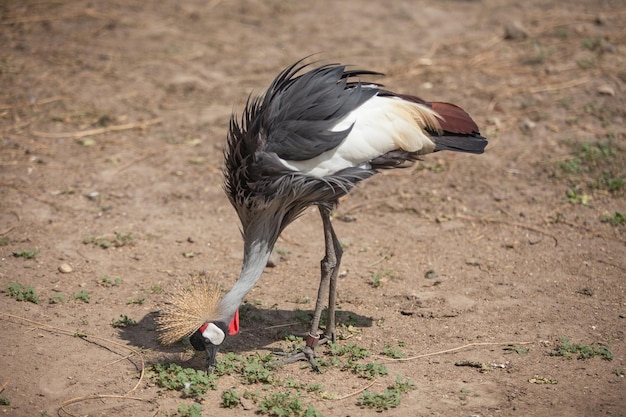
point(315, 134)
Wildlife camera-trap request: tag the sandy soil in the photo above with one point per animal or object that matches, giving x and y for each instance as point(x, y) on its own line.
point(113, 117)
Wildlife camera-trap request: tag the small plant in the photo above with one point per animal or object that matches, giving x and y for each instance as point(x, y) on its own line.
point(191, 410)
point(230, 399)
point(351, 350)
point(106, 281)
point(619, 372)
point(389, 398)
point(520, 350)
point(191, 382)
point(567, 349)
point(138, 300)
point(254, 371)
point(576, 197)
point(56, 298)
point(392, 352)
point(4, 400)
point(282, 404)
point(367, 370)
point(83, 296)
point(376, 280)
point(156, 288)
point(614, 219)
point(123, 321)
point(119, 240)
point(21, 293)
point(26, 254)
point(98, 241)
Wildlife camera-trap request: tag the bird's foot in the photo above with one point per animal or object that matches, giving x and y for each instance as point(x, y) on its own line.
point(306, 354)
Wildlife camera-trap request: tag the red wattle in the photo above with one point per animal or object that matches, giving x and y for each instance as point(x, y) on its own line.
point(233, 327)
point(203, 327)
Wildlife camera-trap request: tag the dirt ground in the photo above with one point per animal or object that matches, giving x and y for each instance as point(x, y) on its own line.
point(113, 116)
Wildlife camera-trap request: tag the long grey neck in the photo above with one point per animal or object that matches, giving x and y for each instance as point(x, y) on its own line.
point(256, 255)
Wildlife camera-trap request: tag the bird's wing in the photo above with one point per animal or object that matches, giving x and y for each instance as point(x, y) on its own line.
point(301, 112)
point(380, 125)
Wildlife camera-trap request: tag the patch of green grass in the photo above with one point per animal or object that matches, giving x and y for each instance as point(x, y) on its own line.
point(56, 298)
point(22, 293)
point(568, 349)
point(520, 350)
point(123, 321)
point(118, 240)
point(83, 296)
point(138, 300)
point(352, 351)
point(230, 398)
point(283, 404)
point(614, 219)
point(370, 370)
point(392, 352)
point(376, 280)
point(156, 288)
point(594, 166)
point(252, 369)
point(191, 410)
point(619, 372)
point(576, 197)
point(26, 254)
point(107, 281)
point(389, 398)
point(4, 400)
point(190, 382)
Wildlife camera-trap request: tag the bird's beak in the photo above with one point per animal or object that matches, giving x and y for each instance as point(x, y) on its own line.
point(211, 355)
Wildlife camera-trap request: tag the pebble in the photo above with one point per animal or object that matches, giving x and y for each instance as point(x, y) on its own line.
point(606, 90)
point(65, 268)
point(514, 30)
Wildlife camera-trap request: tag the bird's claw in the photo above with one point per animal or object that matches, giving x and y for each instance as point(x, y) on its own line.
point(306, 354)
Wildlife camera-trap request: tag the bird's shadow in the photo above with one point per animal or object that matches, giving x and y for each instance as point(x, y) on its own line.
point(259, 328)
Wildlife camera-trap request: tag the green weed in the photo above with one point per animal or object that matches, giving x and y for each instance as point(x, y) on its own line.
point(22, 293)
point(26, 254)
point(282, 404)
point(107, 282)
point(392, 352)
point(83, 296)
point(387, 399)
point(191, 410)
point(138, 300)
point(118, 240)
point(56, 299)
point(123, 321)
point(190, 382)
point(4, 400)
point(230, 398)
point(568, 349)
point(614, 219)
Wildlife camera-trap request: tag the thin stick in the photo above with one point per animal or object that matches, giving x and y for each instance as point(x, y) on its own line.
point(99, 131)
point(523, 226)
point(352, 394)
point(36, 103)
point(4, 386)
point(99, 396)
point(441, 352)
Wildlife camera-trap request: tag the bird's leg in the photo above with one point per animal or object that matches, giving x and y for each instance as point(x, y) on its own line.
point(329, 267)
point(328, 282)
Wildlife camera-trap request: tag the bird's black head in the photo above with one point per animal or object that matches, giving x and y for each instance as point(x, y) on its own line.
point(209, 338)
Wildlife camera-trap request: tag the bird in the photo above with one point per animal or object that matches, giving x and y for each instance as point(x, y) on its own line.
point(316, 132)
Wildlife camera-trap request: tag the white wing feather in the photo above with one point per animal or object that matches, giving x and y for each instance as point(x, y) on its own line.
point(380, 125)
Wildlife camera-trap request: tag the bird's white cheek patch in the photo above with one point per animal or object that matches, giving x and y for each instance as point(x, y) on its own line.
point(214, 334)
